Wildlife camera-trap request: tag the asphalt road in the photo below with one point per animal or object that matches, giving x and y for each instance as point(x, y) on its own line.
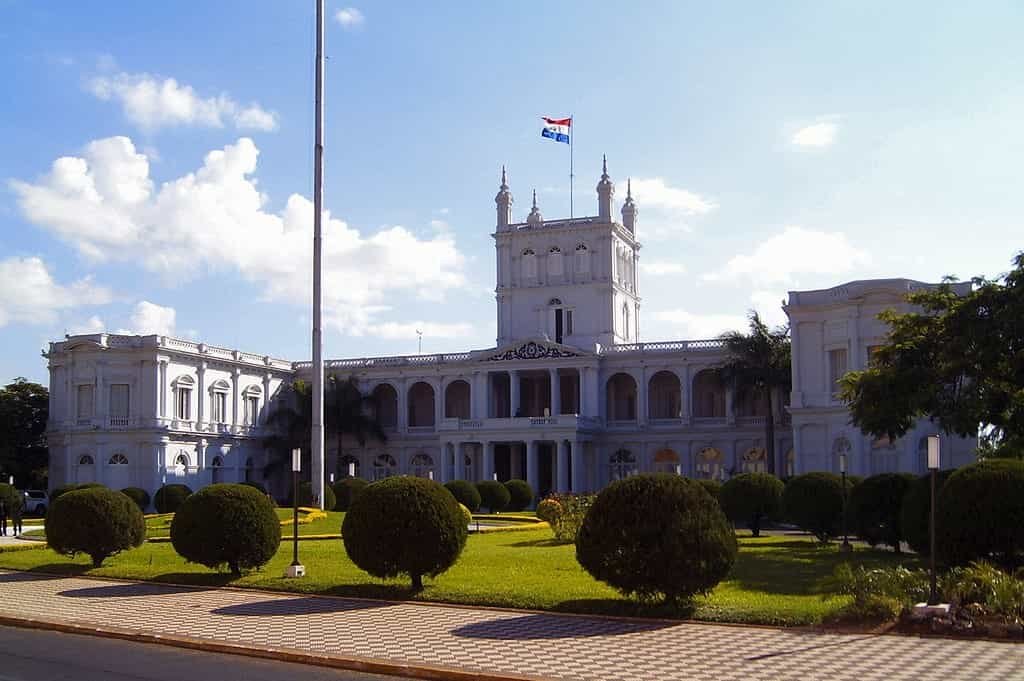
point(32, 655)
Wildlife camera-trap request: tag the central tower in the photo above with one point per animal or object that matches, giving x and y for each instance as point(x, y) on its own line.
point(572, 281)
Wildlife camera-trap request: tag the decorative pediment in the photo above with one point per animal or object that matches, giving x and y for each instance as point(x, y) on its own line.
point(532, 350)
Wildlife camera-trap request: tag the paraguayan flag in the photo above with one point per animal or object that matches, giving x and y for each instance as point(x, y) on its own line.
point(556, 129)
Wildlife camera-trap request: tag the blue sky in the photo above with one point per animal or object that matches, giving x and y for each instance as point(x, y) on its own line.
point(156, 164)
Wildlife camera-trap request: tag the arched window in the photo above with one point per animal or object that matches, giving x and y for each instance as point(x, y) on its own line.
point(666, 461)
point(622, 464)
point(385, 397)
point(467, 467)
point(664, 396)
point(457, 400)
point(183, 397)
point(754, 460)
point(709, 464)
point(384, 466)
point(529, 264)
point(582, 258)
point(708, 395)
point(621, 398)
point(422, 465)
point(555, 301)
point(219, 401)
point(86, 460)
point(216, 470)
point(348, 466)
point(421, 405)
point(118, 460)
point(555, 267)
point(182, 460)
point(251, 397)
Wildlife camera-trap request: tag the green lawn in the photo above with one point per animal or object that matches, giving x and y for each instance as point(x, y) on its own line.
point(776, 580)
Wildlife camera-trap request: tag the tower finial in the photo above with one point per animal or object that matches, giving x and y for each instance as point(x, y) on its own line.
point(504, 182)
point(629, 188)
point(604, 165)
point(534, 198)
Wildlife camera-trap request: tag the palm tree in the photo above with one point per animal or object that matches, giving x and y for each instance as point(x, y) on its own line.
point(758, 364)
point(348, 411)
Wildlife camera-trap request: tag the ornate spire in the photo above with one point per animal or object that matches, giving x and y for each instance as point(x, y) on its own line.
point(629, 209)
point(605, 192)
point(503, 199)
point(604, 167)
point(504, 182)
point(629, 190)
point(534, 218)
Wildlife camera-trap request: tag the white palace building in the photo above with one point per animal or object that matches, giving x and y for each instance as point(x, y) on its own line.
point(568, 399)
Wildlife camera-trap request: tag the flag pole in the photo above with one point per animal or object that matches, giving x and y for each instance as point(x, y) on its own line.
point(572, 135)
point(317, 439)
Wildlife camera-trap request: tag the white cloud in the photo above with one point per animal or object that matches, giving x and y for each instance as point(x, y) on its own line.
point(690, 326)
point(815, 135)
point(91, 325)
point(149, 318)
point(665, 210)
point(662, 268)
point(769, 305)
point(795, 251)
point(106, 205)
point(29, 294)
point(152, 102)
point(350, 18)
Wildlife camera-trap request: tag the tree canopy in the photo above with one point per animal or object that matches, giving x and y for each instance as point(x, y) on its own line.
point(958, 360)
point(24, 410)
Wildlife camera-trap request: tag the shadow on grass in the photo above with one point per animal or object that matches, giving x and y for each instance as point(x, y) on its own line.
point(539, 543)
point(127, 591)
point(306, 605)
point(541, 627)
point(387, 592)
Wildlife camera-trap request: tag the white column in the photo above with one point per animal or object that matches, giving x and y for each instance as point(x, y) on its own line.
point(235, 397)
point(532, 455)
point(478, 391)
point(562, 466)
point(101, 399)
point(586, 399)
point(556, 393)
point(403, 405)
point(577, 466)
point(513, 377)
point(201, 389)
point(438, 404)
point(488, 463)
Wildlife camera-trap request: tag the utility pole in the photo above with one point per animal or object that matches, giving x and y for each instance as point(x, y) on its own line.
point(317, 445)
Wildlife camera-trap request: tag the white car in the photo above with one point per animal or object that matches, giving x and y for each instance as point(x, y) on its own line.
point(36, 501)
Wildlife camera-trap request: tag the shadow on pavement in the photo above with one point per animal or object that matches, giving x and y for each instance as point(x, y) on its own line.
point(126, 591)
point(11, 577)
point(538, 627)
point(296, 606)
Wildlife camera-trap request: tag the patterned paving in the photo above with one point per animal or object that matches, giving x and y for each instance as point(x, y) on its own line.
point(538, 645)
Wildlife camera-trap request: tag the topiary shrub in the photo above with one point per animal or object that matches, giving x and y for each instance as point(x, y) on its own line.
point(548, 510)
point(170, 497)
point(980, 514)
point(404, 525)
point(258, 486)
point(465, 493)
point(467, 515)
point(63, 489)
point(494, 496)
point(138, 495)
point(226, 524)
point(814, 503)
point(650, 535)
point(712, 487)
point(751, 498)
point(345, 490)
point(306, 496)
point(96, 521)
point(915, 514)
point(520, 495)
point(874, 508)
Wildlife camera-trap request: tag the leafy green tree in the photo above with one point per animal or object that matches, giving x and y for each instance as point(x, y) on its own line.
point(959, 360)
point(758, 365)
point(24, 409)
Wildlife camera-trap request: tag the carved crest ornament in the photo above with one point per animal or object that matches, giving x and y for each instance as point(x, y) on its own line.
point(531, 350)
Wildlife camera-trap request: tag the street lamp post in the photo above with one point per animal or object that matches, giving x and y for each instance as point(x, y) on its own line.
point(296, 569)
point(845, 547)
point(933, 468)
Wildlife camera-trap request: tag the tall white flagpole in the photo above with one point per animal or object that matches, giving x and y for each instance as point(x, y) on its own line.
point(317, 445)
point(572, 136)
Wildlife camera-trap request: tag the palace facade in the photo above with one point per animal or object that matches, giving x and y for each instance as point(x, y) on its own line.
point(568, 399)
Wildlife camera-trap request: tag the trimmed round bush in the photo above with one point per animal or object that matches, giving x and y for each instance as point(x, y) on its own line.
point(751, 498)
point(63, 489)
point(915, 514)
point(875, 505)
point(226, 524)
point(494, 496)
point(306, 496)
point(465, 493)
point(258, 486)
point(548, 510)
point(138, 495)
point(814, 503)
point(712, 487)
point(520, 495)
point(980, 514)
point(404, 525)
point(345, 490)
point(467, 515)
point(96, 521)
point(651, 535)
point(170, 497)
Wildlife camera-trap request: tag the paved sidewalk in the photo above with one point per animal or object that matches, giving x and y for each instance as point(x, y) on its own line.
point(498, 642)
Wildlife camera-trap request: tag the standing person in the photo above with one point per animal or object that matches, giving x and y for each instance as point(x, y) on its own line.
point(16, 508)
point(3, 517)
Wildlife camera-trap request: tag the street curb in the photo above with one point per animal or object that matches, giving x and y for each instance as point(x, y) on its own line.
point(351, 663)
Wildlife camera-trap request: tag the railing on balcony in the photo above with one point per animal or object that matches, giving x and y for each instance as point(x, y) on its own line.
point(709, 420)
point(519, 422)
point(119, 422)
point(751, 420)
